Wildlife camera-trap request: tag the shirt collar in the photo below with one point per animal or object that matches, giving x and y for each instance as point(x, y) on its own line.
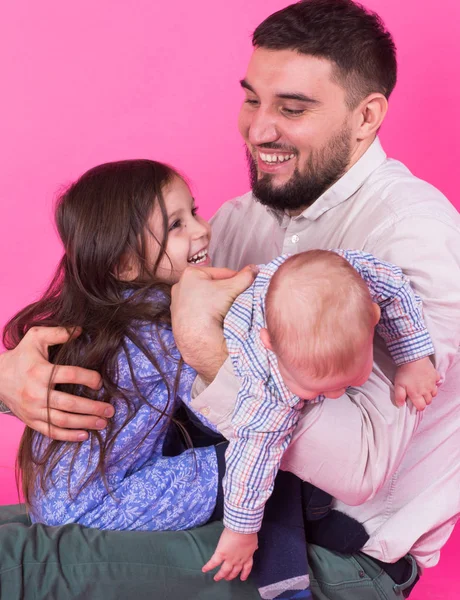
point(342, 189)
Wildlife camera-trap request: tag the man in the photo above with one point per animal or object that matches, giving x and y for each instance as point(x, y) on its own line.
point(317, 89)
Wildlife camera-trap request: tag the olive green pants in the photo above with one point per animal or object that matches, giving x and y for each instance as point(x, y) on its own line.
point(72, 562)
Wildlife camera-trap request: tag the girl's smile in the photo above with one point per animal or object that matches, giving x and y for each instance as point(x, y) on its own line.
point(188, 233)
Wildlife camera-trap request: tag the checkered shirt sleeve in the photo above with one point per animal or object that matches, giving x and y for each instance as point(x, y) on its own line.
point(401, 322)
point(265, 415)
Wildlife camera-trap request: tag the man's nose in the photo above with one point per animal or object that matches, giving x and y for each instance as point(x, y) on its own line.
point(263, 128)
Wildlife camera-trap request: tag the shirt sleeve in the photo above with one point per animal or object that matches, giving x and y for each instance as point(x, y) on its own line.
point(401, 323)
point(262, 428)
point(145, 490)
point(427, 248)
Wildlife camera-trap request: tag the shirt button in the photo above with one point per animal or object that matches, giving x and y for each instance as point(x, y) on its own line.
point(204, 411)
point(295, 238)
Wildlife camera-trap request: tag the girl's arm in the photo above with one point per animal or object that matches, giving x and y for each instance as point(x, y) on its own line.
point(146, 490)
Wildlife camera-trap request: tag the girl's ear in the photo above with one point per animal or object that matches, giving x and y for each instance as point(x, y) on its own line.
point(265, 339)
point(126, 270)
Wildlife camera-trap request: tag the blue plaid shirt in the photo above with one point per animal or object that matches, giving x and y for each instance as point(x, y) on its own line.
point(266, 412)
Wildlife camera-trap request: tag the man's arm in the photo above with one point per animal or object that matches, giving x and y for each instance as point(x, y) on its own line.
point(25, 375)
point(351, 446)
point(428, 251)
point(199, 303)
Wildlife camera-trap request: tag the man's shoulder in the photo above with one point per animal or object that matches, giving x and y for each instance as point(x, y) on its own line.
point(403, 192)
point(237, 208)
point(237, 227)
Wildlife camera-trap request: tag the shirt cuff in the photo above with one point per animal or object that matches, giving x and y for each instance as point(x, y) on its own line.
point(216, 402)
point(198, 387)
point(243, 520)
point(411, 347)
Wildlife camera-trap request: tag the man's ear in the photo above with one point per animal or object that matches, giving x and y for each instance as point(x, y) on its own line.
point(370, 114)
point(265, 338)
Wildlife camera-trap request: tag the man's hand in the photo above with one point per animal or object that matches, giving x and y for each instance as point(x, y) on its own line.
point(234, 552)
point(416, 381)
point(200, 301)
point(24, 378)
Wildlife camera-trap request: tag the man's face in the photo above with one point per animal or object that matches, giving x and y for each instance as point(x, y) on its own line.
point(297, 128)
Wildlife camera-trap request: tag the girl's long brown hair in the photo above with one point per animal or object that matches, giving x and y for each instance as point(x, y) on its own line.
point(102, 220)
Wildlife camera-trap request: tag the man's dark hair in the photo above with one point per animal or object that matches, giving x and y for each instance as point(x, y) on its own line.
point(354, 39)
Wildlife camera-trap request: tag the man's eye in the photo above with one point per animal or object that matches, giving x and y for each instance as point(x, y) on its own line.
point(175, 225)
point(251, 102)
point(293, 112)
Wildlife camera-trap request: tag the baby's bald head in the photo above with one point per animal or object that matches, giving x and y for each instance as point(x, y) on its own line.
point(319, 313)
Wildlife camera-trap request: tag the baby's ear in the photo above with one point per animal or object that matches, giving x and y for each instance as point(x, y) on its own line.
point(377, 312)
point(265, 338)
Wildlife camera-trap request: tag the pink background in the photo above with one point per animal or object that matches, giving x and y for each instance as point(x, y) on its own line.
point(88, 82)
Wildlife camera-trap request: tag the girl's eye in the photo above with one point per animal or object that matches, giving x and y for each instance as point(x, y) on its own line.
point(251, 102)
point(175, 224)
point(195, 211)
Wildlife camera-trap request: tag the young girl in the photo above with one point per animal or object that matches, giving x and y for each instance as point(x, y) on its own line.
point(129, 230)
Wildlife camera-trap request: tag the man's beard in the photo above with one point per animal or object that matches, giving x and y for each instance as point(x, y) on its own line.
point(322, 170)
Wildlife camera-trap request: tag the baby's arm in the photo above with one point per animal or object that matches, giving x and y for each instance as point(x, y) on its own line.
point(234, 553)
point(263, 424)
point(402, 327)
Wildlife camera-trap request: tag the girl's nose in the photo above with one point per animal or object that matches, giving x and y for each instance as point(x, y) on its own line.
point(201, 229)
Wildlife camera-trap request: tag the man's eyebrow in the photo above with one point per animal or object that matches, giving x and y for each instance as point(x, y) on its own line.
point(299, 97)
point(283, 96)
point(245, 85)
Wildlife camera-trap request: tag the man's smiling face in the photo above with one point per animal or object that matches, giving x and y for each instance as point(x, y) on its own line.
point(296, 125)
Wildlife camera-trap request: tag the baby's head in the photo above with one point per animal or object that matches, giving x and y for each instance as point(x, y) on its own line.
point(320, 324)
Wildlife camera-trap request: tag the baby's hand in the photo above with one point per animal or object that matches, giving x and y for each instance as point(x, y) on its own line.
point(234, 552)
point(418, 382)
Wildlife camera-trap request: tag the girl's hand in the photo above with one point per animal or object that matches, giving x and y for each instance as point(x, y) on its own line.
point(416, 381)
point(234, 552)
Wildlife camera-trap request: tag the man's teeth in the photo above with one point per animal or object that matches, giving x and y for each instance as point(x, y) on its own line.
point(275, 158)
point(199, 257)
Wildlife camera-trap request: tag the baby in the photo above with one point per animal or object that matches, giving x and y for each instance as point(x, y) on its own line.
point(301, 333)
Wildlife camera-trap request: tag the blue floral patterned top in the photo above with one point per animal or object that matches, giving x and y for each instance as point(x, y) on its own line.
point(148, 491)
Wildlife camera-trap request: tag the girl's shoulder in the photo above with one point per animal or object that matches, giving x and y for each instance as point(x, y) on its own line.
point(155, 339)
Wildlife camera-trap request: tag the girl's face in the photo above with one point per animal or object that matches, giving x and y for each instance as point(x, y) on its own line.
point(188, 234)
